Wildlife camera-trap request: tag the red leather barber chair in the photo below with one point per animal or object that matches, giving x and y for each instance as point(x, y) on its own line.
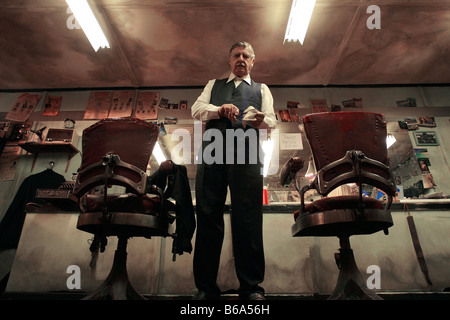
point(115, 152)
point(347, 147)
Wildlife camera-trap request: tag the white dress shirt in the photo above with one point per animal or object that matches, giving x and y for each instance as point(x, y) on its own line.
point(203, 110)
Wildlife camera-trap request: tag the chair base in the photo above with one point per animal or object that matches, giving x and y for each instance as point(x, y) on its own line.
point(350, 284)
point(343, 223)
point(124, 225)
point(117, 285)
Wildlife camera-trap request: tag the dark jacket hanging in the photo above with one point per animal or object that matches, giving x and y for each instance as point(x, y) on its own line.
point(176, 186)
point(12, 223)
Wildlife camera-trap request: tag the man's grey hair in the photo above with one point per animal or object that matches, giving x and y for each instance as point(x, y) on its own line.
point(243, 44)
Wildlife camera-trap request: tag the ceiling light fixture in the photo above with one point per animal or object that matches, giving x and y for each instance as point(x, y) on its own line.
point(86, 18)
point(301, 12)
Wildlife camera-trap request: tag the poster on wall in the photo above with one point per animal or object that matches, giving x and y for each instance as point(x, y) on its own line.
point(122, 104)
point(147, 105)
point(52, 105)
point(426, 122)
point(318, 105)
point(8, 163)
point(353, 103)
point(425, 164)
point(98, 105)
point(426, 138)
point(284, 115)
point(23, 107)
point(183, 104)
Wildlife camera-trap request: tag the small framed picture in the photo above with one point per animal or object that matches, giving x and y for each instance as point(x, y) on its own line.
point(426, 138)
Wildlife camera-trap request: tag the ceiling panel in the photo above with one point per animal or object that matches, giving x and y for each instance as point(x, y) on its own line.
point(185, 43)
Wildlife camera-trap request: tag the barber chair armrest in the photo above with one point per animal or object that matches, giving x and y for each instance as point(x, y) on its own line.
point(289, 170)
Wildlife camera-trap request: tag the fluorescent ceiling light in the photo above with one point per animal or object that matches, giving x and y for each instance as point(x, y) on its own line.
point(85, 17)
point(301, 12)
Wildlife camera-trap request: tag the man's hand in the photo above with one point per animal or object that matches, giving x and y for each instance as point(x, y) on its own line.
point(229, 111)
point(253, 116)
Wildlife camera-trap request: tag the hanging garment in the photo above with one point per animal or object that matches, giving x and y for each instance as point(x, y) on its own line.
point(12, 223)
point(176, 186)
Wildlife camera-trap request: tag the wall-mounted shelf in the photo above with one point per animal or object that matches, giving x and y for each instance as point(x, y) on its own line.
point(34, 147)
point(49, 147)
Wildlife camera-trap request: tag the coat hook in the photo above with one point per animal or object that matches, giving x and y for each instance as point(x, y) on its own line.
point(51, 164)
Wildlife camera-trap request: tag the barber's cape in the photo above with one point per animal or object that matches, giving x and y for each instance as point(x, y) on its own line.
point(175, 185)
point(12, 223)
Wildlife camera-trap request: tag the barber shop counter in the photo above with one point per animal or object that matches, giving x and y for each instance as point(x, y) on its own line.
point(51, 245)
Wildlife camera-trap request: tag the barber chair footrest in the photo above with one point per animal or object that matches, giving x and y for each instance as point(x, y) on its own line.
point(117, 285)
point(350, 284)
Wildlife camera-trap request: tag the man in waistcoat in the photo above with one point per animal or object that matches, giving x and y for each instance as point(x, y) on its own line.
point(235, 107)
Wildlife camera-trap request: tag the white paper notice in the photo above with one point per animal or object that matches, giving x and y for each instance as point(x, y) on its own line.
point(291, 141)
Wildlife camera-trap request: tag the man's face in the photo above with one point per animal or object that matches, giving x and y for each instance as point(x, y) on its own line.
point(241, 61)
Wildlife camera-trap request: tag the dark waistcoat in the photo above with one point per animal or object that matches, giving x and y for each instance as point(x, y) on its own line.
point(243, 96)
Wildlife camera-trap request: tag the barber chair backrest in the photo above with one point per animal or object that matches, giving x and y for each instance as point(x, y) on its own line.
point(130, 140)
point(332, 134)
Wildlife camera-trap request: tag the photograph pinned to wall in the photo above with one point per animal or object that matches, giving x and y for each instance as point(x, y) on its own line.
point(292, 107)
point(8, 162)
point(318, 105)
point(426, 138)
point(353, 103)
point(23, 107)
point(162, 130)
point(408, 124)
point(183, 104)
point(292, 104)
point(147, 105)
point(426, 122)
point(428, 181)
point(424, 164)
point(408, 102)
point(52, 105)
point(172, 106)
point(284, 115)
point(98, 105)
point(335, 108)
point(121, 104)
point(163, 103)
point(421, 152)
point(293, 113)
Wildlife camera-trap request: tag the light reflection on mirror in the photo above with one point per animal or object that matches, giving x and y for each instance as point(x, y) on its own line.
point(403, 163)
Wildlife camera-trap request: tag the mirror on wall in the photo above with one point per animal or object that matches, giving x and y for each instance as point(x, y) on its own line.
point(412, 177)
